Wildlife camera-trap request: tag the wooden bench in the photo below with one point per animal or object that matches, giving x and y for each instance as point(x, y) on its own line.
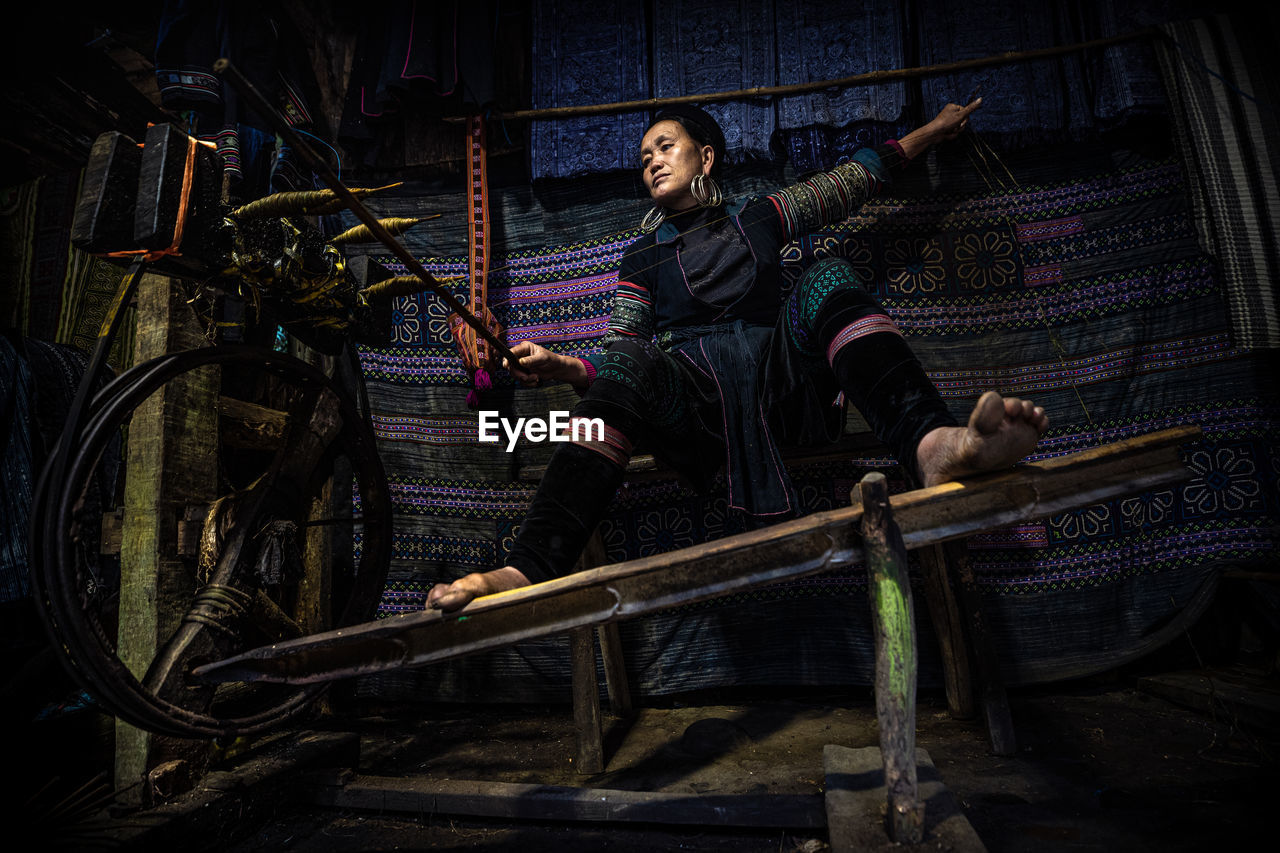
point(819, 542)
point(951, 595)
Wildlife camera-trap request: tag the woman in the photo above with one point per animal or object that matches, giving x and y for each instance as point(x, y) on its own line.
point(713, 363)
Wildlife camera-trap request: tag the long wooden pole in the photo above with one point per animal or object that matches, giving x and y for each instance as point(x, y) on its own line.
point(791, 549)
point(866, 78)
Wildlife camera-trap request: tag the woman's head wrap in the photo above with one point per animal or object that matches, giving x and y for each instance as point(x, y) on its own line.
point(699, 124)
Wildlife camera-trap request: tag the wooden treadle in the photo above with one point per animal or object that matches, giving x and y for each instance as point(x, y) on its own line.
point(791, 549)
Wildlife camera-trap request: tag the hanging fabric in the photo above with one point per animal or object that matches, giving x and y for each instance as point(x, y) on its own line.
point(477, 355)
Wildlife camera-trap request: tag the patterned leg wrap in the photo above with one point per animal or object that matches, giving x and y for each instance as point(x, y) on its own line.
point(599, 437)
point(832, 318)
point(638, 388)
point(571, 500)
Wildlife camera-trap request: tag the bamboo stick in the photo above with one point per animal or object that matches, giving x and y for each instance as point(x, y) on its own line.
point(866, 78)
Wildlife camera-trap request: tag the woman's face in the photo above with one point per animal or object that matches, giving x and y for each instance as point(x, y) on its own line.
point(669, 160)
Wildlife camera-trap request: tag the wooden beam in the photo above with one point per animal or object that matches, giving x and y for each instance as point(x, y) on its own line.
point(172, 463)
point(791, 549)
point(421, 795)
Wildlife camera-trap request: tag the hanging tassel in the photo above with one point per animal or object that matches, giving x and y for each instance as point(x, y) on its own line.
point(480, 381)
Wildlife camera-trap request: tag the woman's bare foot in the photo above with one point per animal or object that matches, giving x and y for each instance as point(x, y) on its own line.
point(456, 595)
point(1001, 431)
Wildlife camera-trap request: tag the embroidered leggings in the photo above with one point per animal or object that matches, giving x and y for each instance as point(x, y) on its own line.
point(640, 393)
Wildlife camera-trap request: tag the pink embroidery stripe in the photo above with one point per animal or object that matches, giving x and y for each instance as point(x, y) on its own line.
point(615, 447)
point(853, 331)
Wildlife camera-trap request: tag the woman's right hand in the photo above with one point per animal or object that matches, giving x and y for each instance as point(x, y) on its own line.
point(538, 364)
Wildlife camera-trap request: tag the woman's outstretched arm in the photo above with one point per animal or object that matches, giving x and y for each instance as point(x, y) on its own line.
point(835, 195)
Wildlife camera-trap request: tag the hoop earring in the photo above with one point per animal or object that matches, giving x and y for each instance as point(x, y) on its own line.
point(653, 219)
point(705, 191)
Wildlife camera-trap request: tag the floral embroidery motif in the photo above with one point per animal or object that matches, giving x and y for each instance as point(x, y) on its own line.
point(1091, 521)
point(857, 252)
point(985, 261)
point(1225, 482)
point(406, 325)
point(915, 265)
point(438, 333)
point(664, 530)
point(1147, 510)
point(613, 533)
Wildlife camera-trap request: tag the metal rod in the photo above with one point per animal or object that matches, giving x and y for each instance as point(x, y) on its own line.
point(868, 77)
point(791, 549)
point(242, 85)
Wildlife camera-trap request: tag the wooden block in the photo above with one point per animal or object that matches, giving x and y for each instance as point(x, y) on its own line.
point(615, 669)
point(249, 426)
point(1236, 693)
point(893, 620)
point(191, 529)
point(109, 541)
point(856, 797)
point(167, 469)
point(526, 801)
point(159, 199)
point(104, 212)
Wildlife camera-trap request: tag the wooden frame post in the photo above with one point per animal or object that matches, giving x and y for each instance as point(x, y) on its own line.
point(171, 464)
point(893, 621)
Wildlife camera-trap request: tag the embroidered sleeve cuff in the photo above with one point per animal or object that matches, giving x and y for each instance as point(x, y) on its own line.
point(898, 159)
point(590, 367)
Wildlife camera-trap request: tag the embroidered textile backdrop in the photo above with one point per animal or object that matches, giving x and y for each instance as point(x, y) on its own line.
point(704, 46)
point(1083, 286)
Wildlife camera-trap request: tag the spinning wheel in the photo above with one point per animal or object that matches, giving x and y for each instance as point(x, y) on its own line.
point(244, 589)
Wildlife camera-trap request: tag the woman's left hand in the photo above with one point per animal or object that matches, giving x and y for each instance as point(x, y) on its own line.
point(952, 120)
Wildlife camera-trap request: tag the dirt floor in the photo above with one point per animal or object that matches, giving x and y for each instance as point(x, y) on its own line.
point(1101, 765)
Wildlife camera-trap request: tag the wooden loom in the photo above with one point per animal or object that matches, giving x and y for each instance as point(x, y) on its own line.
point(874, 528)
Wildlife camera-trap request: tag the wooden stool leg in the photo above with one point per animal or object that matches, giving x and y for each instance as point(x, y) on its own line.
point(586, 697)
point(615, 673)
point(995, 701)
point(615, 670)
point(947, 624)
point(586, 701)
